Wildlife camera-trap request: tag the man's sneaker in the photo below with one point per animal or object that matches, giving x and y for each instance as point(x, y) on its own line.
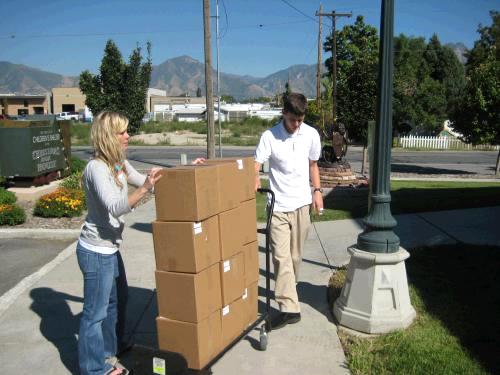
point(284, 318)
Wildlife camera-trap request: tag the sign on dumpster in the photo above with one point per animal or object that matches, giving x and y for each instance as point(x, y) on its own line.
point(30, 149)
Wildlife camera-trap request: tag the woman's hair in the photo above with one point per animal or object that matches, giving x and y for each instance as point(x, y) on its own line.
point(107, 148)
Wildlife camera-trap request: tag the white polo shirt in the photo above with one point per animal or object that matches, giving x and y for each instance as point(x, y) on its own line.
point(289, 156)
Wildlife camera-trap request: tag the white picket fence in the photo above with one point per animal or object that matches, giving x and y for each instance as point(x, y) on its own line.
point(440, 143)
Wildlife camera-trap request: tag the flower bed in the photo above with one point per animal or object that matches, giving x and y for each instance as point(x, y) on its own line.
point(62, 202)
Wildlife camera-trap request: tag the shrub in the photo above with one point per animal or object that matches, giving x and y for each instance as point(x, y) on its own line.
point(62, 202)
point(77, 165)
point(7, 197)
point(73, 181)
point(11, 214)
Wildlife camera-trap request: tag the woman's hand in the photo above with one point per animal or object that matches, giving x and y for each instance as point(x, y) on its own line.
point(152, 178)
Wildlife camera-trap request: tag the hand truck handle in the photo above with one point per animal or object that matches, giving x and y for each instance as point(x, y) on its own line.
point(270, 209)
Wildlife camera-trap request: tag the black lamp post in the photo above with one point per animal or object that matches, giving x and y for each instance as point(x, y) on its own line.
point(378, 237)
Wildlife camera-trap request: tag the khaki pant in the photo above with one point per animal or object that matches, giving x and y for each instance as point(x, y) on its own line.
point(288, 234)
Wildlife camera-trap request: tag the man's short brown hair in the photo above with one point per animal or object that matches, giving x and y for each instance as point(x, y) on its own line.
point(295, 103)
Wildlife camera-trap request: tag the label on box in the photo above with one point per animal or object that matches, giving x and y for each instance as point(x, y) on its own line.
point(240, 163)
point(159, 366)
point(197, 228)
point(225, 310)
point(245, 294)
point(227, 266)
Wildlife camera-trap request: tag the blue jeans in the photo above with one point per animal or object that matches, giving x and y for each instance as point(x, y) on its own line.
point(104, 302)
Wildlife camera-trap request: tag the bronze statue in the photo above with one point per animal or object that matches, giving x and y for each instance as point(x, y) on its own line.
point(338, 149)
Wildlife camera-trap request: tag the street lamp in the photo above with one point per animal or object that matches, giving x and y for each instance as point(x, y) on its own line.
point(375, 296)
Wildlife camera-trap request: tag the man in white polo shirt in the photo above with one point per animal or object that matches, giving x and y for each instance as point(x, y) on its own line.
point(293, 149)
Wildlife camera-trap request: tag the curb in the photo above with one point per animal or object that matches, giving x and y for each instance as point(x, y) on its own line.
point(43, 234)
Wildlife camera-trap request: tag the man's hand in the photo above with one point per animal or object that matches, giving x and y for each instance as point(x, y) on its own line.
point(257, 166)
point(198, 161)
point(317, 202)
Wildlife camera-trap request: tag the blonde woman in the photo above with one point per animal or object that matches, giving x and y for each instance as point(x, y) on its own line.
point(105, 284)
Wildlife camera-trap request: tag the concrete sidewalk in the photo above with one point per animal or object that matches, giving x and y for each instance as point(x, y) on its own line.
point(38, 330)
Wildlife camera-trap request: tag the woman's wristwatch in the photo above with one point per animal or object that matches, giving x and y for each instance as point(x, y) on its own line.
point(318, 189)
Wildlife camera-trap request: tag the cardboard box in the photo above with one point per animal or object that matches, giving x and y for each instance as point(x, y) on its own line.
point(245, 168)
point(189, 297)
point(186, 246)
point(237, 227)
point(187, 193)
point(250, 300)
point(231, 185)
point(197, 342)
point(232, 273)
point(230, 232)
point(248, 221)
point(251, 251)
point(233, 317)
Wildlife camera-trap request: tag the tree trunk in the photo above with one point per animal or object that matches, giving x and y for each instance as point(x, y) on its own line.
point(364, 161)
point(497, 168)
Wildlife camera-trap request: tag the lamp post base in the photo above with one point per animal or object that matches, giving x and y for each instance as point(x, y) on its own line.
point(375, 297)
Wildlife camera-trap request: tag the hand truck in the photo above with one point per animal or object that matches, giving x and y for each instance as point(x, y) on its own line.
point(143, 360)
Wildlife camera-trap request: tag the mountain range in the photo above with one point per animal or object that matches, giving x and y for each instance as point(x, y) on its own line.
point(177, 76)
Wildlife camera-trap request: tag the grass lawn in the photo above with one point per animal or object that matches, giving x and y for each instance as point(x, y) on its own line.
point(407, 197)
point(455, 290)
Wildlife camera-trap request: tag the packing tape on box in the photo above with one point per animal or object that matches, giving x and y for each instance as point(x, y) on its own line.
point(240, 163)
point(245, 294)
point(227, 265)
point(225, 310)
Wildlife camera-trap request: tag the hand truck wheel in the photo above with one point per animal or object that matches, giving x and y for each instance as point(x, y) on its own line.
point(263, 338)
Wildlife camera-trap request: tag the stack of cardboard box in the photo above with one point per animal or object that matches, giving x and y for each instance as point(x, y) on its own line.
point(207, 267)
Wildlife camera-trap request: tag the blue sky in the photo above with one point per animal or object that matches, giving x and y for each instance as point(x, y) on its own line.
point(258, 37)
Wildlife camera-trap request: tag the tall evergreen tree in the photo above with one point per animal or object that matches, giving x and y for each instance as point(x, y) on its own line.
point(478, 115)
point(119, 86)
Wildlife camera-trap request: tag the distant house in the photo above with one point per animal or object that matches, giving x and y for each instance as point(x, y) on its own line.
point(24, 105)
point(190, 114)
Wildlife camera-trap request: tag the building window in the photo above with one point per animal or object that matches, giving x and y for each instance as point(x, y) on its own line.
point(38, 110)
point(68, 108)
point(25, 104)
point(22, 112)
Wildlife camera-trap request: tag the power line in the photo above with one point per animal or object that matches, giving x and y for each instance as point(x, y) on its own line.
point(108, 34)
point(227, 21)
point(298, 10)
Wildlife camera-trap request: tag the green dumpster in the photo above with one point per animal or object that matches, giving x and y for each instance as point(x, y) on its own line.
point(31, 148)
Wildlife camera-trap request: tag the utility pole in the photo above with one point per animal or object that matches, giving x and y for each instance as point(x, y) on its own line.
point(218, 75)
point(208, 81)
point(334, 16)
point(318, 69)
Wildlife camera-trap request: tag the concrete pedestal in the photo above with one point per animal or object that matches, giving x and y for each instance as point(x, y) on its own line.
point(375, 296)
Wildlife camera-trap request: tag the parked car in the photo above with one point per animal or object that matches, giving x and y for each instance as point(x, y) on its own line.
point(68, 116)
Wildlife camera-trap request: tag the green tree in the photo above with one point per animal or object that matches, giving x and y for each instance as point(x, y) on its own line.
point(198, 92)
point(357, 62)
point(288, 90)
point(428, 81)
point(227, 99)
point(478, 115)
point(120, 86)
point(407, 76)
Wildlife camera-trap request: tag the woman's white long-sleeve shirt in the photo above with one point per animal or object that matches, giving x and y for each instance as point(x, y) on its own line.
point(106, 204)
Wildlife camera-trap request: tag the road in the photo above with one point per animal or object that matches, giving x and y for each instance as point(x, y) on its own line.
point(473, 163)
point(21, 257)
